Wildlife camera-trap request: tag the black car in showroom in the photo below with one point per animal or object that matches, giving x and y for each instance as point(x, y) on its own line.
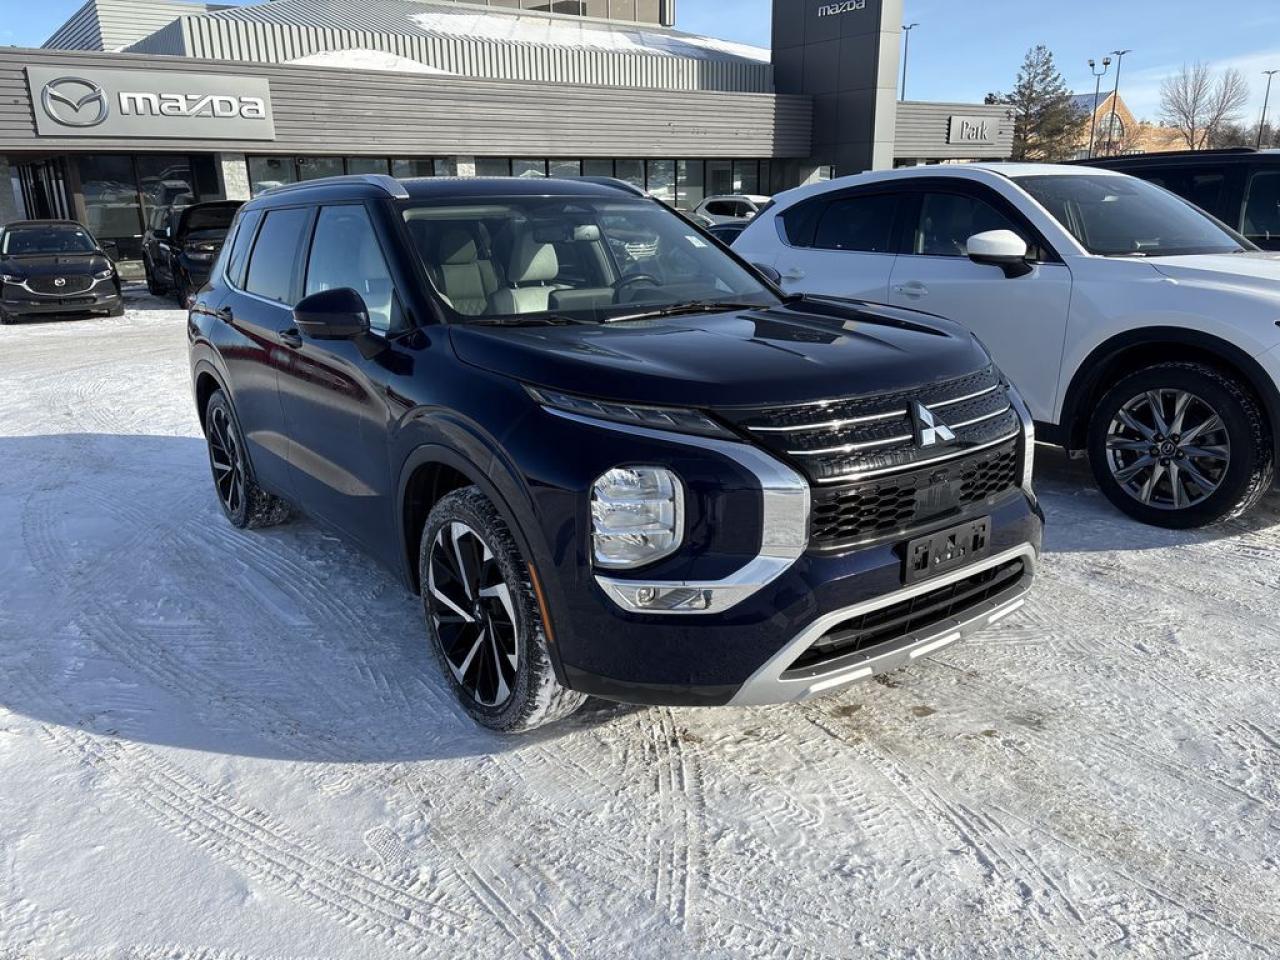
point(182, 242)
point(55, 268)
point(609, 454)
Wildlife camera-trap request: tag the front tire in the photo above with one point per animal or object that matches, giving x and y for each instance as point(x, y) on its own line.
point(483, 618)
point(1181, 445)
point(245, 503)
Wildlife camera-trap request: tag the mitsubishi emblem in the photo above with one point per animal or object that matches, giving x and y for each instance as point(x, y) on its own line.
point(930, 431)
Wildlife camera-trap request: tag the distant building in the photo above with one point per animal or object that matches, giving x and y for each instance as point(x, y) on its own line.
point(1116, 132)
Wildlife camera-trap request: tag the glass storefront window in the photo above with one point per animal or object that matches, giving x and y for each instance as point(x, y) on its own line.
point(313, 168)
point(566, 168)
point(112, 206)
point(719, 178)
point(446, 167)
point(597, 168)
point(631, 171)
point(493, 167)
point(661, 178)
point(366, 165)
point(412, 168)
point(268, 172)
point(528, 168)
point(165, 182)
point(746, 176)
point(690, 190)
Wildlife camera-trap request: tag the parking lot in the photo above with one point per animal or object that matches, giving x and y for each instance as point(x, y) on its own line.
point(220, 744)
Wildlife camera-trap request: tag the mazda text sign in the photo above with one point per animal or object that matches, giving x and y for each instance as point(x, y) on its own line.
point(79, 102)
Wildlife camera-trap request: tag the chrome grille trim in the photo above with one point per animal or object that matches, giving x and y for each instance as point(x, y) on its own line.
point(853, 447)
point(968, 396)
point(903, 468)
point(833, 424)
point(982, 419)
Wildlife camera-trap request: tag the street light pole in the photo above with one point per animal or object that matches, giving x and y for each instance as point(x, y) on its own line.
point(907, 28)
point(1097, 92)
point(1266, 102)
point(1115, 96)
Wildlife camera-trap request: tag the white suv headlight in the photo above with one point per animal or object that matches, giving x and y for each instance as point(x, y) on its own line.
point(637, 516)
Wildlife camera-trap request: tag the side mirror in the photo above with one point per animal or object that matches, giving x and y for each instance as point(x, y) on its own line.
point(770, 274)
point(1000, 248)
point(110, 249)
point(332, 315)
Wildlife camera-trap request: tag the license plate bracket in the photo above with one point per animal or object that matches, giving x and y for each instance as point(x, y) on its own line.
point(936, 553)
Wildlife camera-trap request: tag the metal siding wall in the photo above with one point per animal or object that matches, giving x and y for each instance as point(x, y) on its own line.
point(922, 131)
point(81, 31)
point(324, 110)
point(234, 39)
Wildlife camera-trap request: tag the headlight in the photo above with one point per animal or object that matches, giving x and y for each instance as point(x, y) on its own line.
point(201, 253)
point(637, 516)
point(656, 418)
point(106, 274)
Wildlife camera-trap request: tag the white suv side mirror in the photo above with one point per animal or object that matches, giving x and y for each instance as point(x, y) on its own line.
point(1000, 248)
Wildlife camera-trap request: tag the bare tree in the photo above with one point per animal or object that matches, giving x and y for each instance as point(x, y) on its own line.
point(1200, 106)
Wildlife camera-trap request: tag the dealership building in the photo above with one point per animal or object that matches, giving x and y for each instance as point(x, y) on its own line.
point(135, 104)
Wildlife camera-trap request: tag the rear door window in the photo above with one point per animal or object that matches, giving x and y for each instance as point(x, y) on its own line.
point(239, 255)
point(863, 223)
point(1262, 207)
point(273, 266)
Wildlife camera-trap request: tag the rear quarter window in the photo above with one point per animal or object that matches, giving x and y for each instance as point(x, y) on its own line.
point(239, 254)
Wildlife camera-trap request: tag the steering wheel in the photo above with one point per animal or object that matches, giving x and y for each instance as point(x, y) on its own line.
point(625, 283)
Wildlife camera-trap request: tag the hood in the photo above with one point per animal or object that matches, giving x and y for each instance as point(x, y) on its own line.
point(54, 264)
point(807, 350)
point(1255, 270)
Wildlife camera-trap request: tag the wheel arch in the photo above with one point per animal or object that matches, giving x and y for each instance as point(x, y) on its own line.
point(206, 381)
point(1134, 350)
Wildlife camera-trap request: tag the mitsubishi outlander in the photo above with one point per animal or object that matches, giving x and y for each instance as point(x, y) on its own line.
point(611, 456)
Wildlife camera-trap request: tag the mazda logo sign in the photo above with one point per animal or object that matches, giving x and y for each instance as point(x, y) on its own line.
point(74, 102)
point(60, 282)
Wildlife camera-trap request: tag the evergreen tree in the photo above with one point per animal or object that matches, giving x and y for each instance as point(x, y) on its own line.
point(1046, 124)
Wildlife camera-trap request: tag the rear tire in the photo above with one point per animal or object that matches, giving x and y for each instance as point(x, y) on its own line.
point(1212, 463)
point(245, 503)
point(483, 618)
point(153, 285)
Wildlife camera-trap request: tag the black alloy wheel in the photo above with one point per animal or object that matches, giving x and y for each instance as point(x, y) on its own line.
point(471, 609)
point(227, 460)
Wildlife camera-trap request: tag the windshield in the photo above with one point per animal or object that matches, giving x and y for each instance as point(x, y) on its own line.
point(581, 259)
point(47, 238)
point(1125, 217)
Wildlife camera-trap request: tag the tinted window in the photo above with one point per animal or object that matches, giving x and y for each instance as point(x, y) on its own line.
point(1122, 216)
point(1262, 206)
point(858, 223)
point(1206, 191)
point(948, 220)
point(47, 238)
point(275, 255)
point(210, 218)
point(722, 208)
point(345, 253)
point(800, 222)
point(239, 254)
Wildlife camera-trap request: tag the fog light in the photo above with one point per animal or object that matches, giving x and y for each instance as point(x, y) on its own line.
point(637, 516)
point(672, 599)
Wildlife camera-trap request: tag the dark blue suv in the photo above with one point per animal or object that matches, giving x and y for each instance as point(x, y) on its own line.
point(611, 456)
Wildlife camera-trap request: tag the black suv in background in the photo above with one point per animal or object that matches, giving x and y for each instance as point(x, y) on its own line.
point(54, 268)
point(181, 244)
point(1240, 186)
point(610, 455)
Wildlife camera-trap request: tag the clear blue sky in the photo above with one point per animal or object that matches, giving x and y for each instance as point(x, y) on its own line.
point(962, 50)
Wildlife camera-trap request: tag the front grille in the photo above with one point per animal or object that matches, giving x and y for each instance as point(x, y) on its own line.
point(888, 506)
point(868, 630)
point(850, 438)
point(49, 285)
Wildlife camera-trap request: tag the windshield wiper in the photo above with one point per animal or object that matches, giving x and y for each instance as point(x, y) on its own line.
point(692, 306)
point(540, 321)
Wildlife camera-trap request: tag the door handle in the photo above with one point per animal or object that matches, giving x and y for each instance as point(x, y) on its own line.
point(795, 273)
point(913, 289)
point(291, 337)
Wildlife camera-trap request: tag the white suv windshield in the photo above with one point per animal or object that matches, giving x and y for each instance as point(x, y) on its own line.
point(1125, 217)
point(581, 259)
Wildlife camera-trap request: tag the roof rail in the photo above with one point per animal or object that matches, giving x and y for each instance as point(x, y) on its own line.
point(387, 184)
point(1217, 151)
point(624, 185)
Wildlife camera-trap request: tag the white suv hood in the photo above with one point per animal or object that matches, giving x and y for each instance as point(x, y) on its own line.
point(1254, 270)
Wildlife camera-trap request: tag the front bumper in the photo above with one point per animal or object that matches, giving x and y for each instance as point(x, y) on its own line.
point(101, 298)
point(745, 655)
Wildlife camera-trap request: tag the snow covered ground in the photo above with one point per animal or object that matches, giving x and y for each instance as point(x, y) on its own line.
point(222, 745)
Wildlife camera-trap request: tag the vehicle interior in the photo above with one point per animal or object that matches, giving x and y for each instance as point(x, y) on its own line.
point(582, 257)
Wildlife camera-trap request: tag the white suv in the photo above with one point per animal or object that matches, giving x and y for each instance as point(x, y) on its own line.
point(731, 208)
point(1136, 326)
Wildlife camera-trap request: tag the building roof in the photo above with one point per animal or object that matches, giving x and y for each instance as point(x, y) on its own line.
point(1084, 101)
point(448, 21)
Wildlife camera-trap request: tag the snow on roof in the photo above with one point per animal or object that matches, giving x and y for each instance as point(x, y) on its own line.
point(566, 32)
point(359, 58)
